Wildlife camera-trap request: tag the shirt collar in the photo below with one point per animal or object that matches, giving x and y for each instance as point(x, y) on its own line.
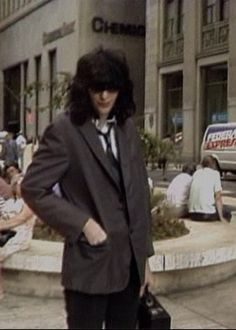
point(105, 127)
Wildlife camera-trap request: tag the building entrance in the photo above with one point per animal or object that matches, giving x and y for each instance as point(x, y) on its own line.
point(12, 88)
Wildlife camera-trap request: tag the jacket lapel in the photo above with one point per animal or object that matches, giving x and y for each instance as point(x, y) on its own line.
point(90, 135)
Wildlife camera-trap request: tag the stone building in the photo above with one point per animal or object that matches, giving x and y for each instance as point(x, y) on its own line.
point(41, 38)
point(190, 68)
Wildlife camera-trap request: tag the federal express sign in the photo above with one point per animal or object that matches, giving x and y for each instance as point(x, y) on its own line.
point(220, 137)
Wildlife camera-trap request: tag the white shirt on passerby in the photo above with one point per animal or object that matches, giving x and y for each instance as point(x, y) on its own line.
point(21, 143)
point(178, 190)
point(206, 182)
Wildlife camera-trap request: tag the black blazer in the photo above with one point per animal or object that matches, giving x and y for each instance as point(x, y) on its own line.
point(74, 157)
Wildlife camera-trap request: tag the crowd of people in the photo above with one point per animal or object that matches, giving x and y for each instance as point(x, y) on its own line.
point(197, 192)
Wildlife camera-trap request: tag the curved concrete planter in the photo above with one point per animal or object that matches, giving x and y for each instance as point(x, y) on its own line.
point(205, 256)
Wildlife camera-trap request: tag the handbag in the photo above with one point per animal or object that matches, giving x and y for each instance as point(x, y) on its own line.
point(151, 314)
point(5, 235)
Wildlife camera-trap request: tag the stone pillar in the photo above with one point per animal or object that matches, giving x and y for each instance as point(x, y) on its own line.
point(30, 103)
point(189, 78)
point(1, 99)
point(232, 64)
point(22, 109)
point(43, 116)
point(152, 55)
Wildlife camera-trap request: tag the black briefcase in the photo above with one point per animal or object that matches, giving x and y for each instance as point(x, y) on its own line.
point(151, 314)
point(5, 235)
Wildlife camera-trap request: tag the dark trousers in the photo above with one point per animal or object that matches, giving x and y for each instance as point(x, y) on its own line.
point(212, 216)
point(116, 310)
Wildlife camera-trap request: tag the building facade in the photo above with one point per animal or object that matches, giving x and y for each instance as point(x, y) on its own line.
point(190, 68)
point(41, 40)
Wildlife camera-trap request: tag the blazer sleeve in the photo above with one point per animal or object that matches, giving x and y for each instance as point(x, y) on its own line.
point(150, 249)
point(49, 164)
point(147, 201)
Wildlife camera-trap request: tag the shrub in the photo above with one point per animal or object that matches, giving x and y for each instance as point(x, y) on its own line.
point(44, 232)
point(164, 222)
point(155, 149)
point(150, 148)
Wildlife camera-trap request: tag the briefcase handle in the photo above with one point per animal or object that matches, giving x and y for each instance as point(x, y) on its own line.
point(149, 298)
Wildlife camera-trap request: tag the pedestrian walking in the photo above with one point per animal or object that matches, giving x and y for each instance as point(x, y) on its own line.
point(166, 152)
point(21, 145)
point(93, 152)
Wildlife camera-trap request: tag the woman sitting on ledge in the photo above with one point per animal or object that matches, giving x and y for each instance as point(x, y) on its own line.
point(15, 214)
point(205, 200)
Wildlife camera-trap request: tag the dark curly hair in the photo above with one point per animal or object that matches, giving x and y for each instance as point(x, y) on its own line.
point(100, 70)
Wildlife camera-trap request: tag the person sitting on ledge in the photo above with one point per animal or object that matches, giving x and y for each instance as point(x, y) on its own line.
point(178, 191)
point(16, 215)
point(10, 170)
point(205, 200)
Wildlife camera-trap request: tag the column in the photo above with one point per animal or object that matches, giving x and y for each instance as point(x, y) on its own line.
point(43, 116)
point(152, 55)
point(189, 78)
point(1, 99)
point(22, 105)
point(30, 113)
point(232, 64)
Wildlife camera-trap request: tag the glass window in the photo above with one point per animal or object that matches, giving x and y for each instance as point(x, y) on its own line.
point(174, 103)
point(224, 10)
point(38, 81)
point(12, 89)
point(174, 17)
point(170, 18)
point(52, 78)
point(209, 11)
point(26, 110)
point(216, 94)
point(180, 25)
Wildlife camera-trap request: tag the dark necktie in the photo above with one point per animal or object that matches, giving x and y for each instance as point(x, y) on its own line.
point(115, 167)
point(110, 155)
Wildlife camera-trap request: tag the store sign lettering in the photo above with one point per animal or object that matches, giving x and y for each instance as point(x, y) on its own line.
point(221, 139)
point(99, 25)
point(64, 30)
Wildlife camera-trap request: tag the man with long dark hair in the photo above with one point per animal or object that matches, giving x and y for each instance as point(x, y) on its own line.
point(93, 151)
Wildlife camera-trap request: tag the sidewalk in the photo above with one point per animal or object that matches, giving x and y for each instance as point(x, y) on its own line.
point(207, 308)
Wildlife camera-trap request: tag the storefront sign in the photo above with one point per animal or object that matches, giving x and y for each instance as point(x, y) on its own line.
point(64, 30)
point(99, 25)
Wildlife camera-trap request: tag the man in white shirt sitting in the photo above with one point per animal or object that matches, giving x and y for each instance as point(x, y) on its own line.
point(205, 201)
point(178, 190)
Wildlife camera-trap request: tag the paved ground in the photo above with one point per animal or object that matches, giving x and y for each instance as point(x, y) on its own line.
point(207, 308)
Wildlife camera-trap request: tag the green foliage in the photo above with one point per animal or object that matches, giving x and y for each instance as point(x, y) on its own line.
point(164, 222)
point(58, 88)
point(155, 148)
point(149, 147)
point(44, 232)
